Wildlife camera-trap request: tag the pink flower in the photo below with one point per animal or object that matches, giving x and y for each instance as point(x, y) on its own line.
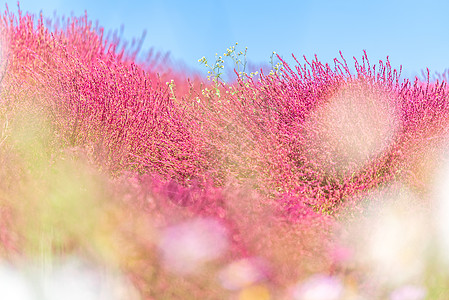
point(185, 247)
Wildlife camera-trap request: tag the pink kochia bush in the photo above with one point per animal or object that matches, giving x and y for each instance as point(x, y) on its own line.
point(201, 190)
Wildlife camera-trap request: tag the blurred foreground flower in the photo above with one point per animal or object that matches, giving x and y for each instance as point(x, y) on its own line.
point(241, 273)
point(14, 285)
point(408, 292)
point(391, 238)
point(71, 279)
point(357, 124)
point(185, 247)
point(319, 287)
point(441, 194)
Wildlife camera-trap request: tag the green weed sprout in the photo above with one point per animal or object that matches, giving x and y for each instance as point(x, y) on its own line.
point(215, 71)
point(275, 68)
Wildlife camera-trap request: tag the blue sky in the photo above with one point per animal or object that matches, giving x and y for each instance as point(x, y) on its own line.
point(414, 34)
